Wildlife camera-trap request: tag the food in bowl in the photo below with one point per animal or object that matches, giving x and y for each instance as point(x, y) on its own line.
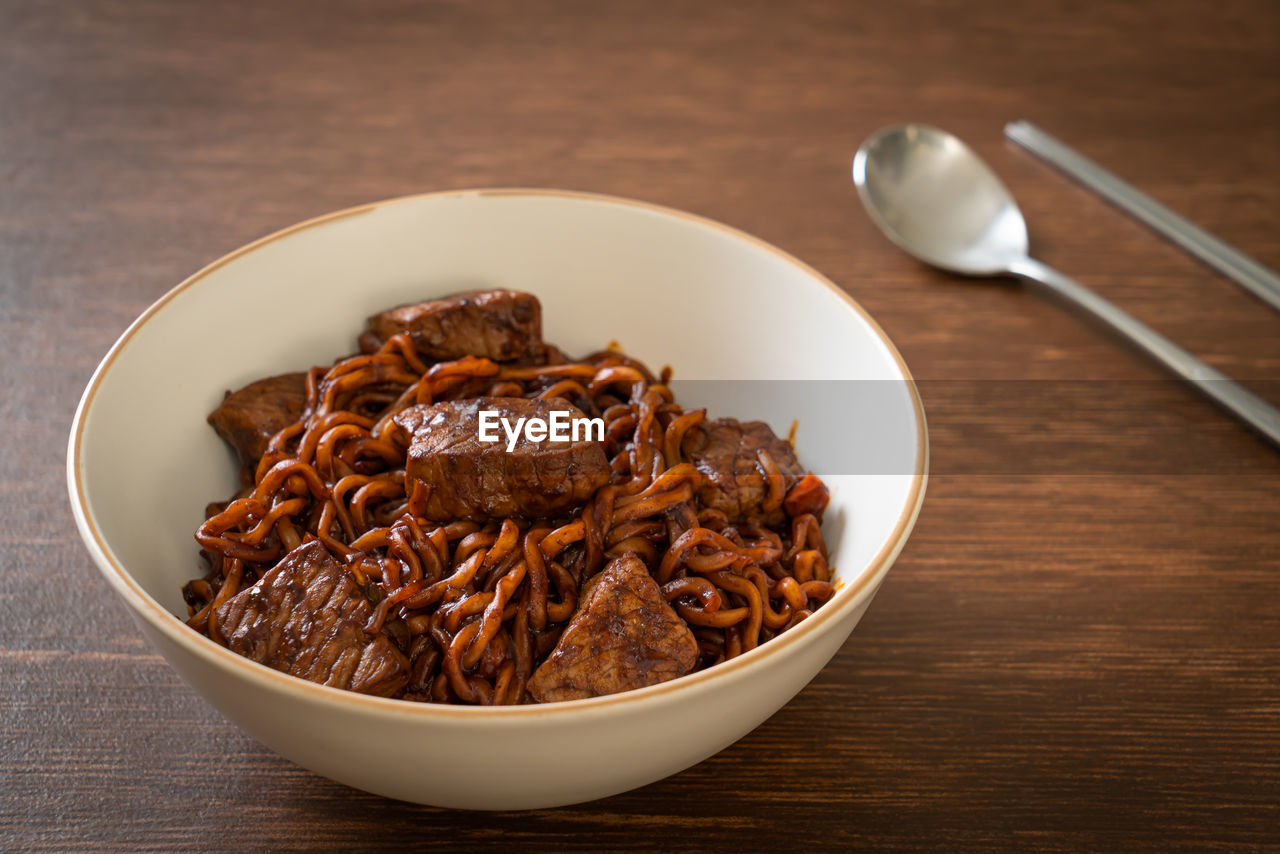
point(722, 306)
point(462, 513)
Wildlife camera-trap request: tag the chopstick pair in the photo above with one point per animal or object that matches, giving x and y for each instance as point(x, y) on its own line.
point(1249, 274)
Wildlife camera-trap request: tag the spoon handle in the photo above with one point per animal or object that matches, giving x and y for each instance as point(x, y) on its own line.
point(1227, 392)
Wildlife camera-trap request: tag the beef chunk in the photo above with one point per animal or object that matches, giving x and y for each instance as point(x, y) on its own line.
point(306, 617)
point(498, 325)
point(248, 418)
point(624, 636)
point(470, 479)
point(732, 481)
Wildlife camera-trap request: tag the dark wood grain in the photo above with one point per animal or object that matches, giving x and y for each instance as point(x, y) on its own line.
point(1079, 649)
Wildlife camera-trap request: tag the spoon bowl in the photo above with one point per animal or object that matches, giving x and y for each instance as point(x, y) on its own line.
point(939, 201)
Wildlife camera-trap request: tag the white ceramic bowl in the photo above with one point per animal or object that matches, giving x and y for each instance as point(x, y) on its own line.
point(671, 287)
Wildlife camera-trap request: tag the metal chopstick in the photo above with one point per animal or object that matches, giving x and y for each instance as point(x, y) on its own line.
point(1257, 279)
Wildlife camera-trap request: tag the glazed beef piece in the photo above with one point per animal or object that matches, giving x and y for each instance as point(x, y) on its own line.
point(499, 325)
point(470, 479)
point(306, 617)
point(725, 452)
point(248, 418)
point(623, 636)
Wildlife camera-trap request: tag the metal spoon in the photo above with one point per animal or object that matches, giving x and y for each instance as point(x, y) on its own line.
point(937, 200)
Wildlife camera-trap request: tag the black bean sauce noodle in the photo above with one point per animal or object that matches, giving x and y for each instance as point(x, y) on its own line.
point(476, 608)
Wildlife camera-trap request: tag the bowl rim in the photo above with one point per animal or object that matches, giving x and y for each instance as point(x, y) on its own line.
point(175, 629)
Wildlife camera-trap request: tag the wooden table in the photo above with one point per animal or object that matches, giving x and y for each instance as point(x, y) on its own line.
point(1080, 646)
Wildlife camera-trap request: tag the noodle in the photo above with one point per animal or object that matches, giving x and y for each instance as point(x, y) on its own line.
point(477, 607)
